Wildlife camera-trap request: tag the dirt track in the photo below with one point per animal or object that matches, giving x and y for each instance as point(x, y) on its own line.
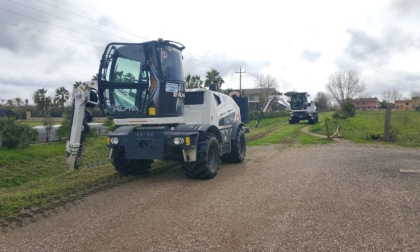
point(332, 197)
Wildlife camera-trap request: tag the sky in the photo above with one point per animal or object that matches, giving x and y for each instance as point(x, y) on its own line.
point(54, 43)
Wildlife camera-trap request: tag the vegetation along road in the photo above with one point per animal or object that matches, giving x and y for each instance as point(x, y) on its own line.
point(284, 197)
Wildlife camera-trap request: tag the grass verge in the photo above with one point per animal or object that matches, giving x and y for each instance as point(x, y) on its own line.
point(366, 126)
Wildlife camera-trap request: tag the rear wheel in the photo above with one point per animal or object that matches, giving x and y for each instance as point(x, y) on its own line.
point(130, 166)
point(238, 148)
point(208, 159)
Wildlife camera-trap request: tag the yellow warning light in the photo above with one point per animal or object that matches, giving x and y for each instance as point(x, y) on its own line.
point(187, 141)
point(152, 111)
point(108, 140)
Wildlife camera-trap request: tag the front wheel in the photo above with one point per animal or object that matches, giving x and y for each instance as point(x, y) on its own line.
point(208, 159)
point(130, 166)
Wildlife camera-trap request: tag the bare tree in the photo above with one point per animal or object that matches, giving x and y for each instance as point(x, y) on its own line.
point(345, 85)
point(322, 101)
point(389, 97)
point(268, 84)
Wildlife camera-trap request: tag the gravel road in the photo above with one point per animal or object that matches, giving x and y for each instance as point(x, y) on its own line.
point(335, 197)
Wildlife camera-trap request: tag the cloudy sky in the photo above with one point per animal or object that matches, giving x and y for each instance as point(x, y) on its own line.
point(53, 43)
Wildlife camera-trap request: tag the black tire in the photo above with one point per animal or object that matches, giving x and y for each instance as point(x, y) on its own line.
point(130, 166)
point(208, 159)
point(238, 148)
point(292, 121)
point(311, 121)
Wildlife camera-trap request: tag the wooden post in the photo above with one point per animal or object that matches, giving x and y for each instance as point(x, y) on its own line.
point(327, 121)
point(387, 125)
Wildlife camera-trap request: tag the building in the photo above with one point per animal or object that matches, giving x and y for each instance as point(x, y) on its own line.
point(257, 97)
point(7, 113)
point(408, 105)
point(367, 104)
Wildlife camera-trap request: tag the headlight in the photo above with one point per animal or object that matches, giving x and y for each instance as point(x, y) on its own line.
point(115, 140)
point(178, 140)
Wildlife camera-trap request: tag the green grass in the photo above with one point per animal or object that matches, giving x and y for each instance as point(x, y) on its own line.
point(366, 124)
point(36, 177)
point(33, 177)
point(278, 130)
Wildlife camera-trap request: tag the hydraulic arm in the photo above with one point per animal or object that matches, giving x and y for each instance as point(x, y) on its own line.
point(83, 96)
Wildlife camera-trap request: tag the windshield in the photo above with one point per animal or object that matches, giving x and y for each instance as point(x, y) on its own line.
point(139, 80)
point(299, 101)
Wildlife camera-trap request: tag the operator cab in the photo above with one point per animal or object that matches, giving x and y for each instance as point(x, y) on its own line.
point(300, 101)
point(142, 80)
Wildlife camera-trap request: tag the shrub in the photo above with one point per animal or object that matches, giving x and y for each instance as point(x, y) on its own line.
point(64, 130)
point(345, 111)
point(16, 135)
point(348, 109)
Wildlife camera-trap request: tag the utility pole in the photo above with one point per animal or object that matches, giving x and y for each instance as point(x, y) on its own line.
point(240, 80)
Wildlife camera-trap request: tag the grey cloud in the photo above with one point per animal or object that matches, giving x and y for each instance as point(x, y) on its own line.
point(406, 7)
point(28, 27)
point(390, 80)
point(311, 56)
point(365, 47)
point(200, 65)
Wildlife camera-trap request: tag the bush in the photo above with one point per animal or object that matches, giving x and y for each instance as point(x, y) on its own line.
point(64, 130)
point(16, 135)
point(349, 110)
point(345, 111)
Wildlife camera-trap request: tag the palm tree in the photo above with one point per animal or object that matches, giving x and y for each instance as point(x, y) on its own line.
point(76, 84)
point(95, 77)
point(40, 99)
point(213, 76)
point(193, 81)
point(62, 95)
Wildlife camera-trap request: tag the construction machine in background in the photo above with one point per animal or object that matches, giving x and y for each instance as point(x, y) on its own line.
point(279, 99)
point(142, 86)
point(302, 108)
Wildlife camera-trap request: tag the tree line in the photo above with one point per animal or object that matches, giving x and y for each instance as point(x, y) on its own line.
point(341, 88)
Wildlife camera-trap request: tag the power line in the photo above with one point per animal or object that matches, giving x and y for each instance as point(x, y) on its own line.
point(93, 20)
point(31, 29)
point(62, 27)
point(210, 63)
point(44, 12)
point(106, 25)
